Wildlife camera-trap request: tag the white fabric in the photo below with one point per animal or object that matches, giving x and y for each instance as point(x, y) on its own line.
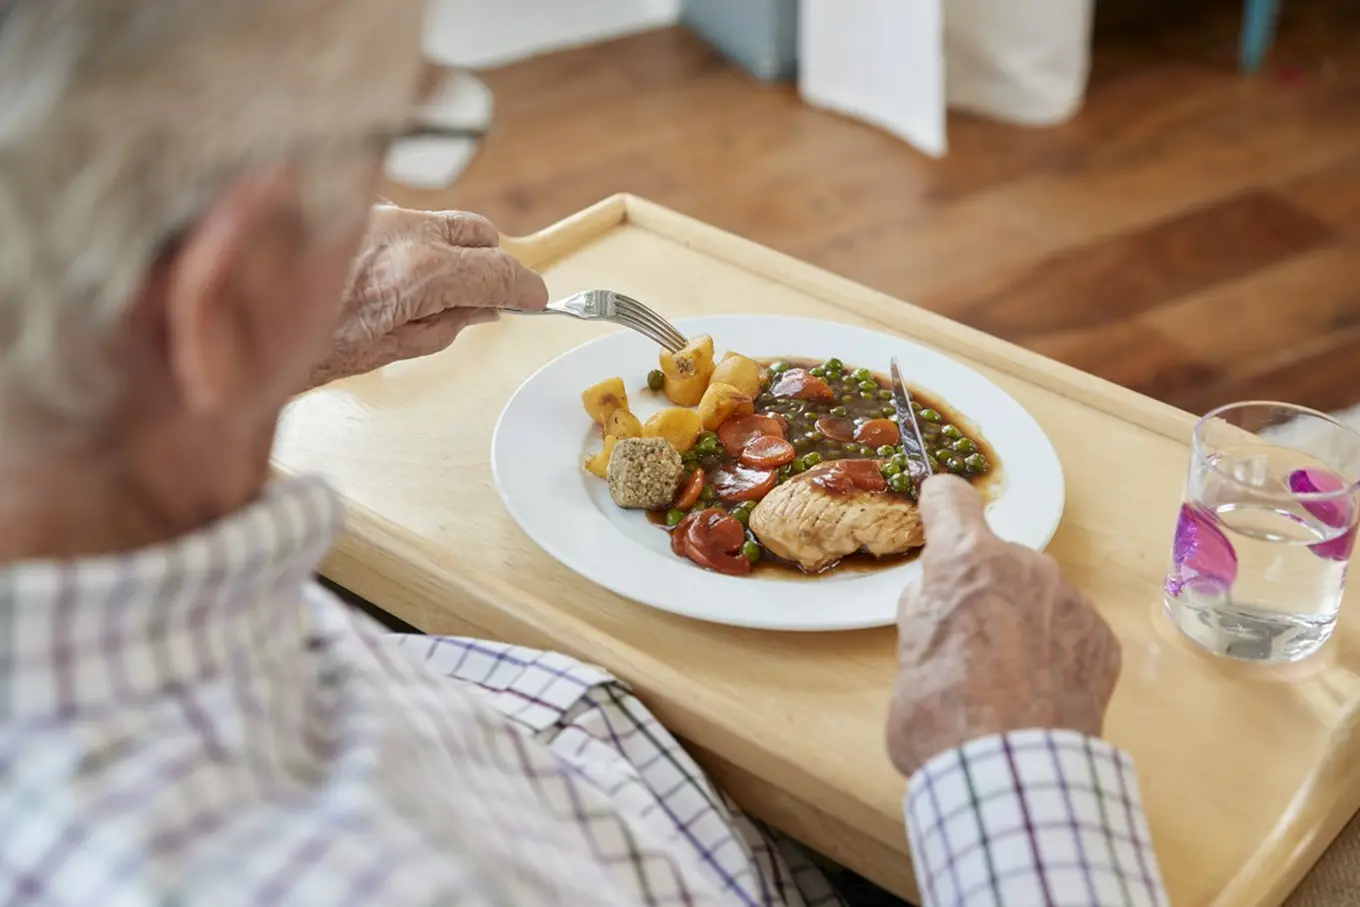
point(476, 34)
point(898, 64)
point(460, 101)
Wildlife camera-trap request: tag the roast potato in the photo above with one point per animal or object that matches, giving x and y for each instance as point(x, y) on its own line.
point(622, 424)
point(742, 373)
point(681, 427)
point(686, 373)
point(598, 464)
point(720, 403)
point(604, 399)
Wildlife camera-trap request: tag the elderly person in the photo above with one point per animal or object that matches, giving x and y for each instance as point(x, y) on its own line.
point(187, 718)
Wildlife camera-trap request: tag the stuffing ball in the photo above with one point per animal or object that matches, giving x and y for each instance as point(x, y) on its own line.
point(644, 473)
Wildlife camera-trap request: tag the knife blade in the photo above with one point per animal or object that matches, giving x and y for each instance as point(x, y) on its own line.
point(909, 428)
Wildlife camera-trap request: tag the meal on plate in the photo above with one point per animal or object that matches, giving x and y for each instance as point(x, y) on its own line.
point(794, 463)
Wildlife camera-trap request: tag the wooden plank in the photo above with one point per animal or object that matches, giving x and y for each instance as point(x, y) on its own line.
point(1232, 340)
point(1111, 281)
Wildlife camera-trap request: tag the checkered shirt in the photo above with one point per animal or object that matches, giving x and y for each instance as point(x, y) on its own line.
point(200, 723)
point(1032, 818)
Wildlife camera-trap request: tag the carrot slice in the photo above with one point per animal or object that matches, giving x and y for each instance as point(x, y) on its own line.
point(802, 385)
point(836, 428)
point(767, 452)
point(713, 539)
point(737, 483)
point(736, 433)
point(689, 491)
point(878, 433)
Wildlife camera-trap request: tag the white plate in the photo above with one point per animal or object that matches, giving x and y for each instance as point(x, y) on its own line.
point(543, 435)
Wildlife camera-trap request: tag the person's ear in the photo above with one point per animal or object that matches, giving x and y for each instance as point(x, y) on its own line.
point(227, 275)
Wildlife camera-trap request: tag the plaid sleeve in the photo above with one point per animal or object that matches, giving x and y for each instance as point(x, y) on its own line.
point(1031, 817)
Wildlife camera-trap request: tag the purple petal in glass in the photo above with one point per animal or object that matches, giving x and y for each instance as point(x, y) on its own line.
point(1335, 512)
point(1202, 557)
point(1337, 549)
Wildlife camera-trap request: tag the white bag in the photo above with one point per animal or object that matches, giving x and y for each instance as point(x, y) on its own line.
point(1021, 61)
point(899, 63)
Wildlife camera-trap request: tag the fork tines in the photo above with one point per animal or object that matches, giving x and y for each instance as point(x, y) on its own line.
point(637, 316)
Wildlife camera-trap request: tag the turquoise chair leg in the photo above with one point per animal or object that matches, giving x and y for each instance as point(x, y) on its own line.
point(1258, 31)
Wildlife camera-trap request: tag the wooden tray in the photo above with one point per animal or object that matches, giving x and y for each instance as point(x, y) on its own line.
point(1247, 774)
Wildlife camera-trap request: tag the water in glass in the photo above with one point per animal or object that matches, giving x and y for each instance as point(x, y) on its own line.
point(1264, 535)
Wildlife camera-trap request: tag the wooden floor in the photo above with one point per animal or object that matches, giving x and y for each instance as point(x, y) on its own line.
point(1193, 233)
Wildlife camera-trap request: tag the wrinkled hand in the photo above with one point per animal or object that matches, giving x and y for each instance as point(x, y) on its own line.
point(991, 639)
point(421, 278)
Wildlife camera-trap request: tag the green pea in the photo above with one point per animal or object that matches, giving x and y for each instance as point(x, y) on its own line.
point(706, 493)
point(839, 410)
point(707, 444)
point(831, 450)
point(848, 398)
point(801, 444)
point(674, 516)
point(815, 437)
point(899, 483)
point(885, 394)
point(951, 431)
point(817, 371)
point(934, 464)
point(751, 551)
point(889, 412)
point(890, 469)
point(689, 458)
point(798, 465)
point(655, 379)
point(954, 465)
point(915, 407)
point(786, 470)
point(901, 462)
point(811, 459)
point(863, 374)
point(976, 463)
point(964, 446)
point(851, 448)
point(848, 380)
point(929, 415)
point(741, 515)
point(887, 450)
point(779, 368)
point(869, 386)
point(867, 395)
point(835, 363)
point(833, 374)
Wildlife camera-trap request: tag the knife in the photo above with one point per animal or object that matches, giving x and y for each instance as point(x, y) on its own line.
point(909, 428)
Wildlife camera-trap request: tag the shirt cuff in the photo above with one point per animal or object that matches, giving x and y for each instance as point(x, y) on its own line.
point(1031, 817)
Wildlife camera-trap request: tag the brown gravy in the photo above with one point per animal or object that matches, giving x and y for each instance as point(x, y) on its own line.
point(859, 397)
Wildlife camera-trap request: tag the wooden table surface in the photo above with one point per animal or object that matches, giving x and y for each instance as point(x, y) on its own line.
point(1247, 774)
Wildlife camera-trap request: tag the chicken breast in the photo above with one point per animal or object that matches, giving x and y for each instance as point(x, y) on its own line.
point(833, 510)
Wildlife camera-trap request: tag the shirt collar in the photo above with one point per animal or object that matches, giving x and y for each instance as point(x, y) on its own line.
point(79, 636)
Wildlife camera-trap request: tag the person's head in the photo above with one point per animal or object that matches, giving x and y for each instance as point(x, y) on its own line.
point(183, 184)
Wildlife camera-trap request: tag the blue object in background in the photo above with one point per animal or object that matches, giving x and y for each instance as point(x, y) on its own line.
point(761, 36)
point(1258, 31)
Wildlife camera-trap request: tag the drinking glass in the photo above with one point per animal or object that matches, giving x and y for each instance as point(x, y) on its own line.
point(1265, 531)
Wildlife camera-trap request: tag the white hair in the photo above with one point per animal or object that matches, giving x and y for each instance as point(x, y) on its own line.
point(120, 120)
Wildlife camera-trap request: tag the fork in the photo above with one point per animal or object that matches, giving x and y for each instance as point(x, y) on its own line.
point(606, 305)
